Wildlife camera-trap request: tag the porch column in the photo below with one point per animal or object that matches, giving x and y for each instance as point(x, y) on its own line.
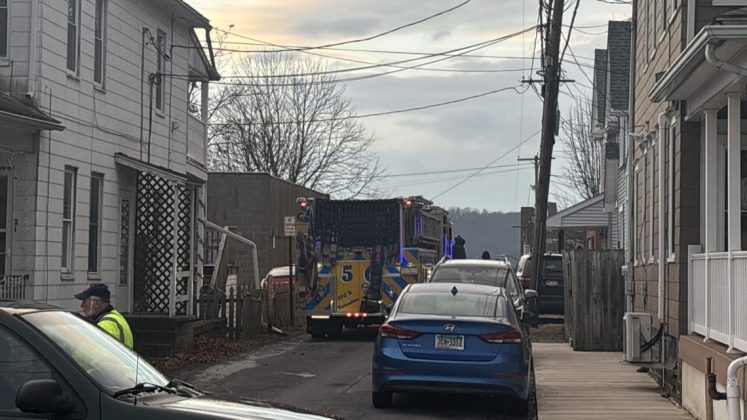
point(734, 148)
point(711, 204)
point(711, 182)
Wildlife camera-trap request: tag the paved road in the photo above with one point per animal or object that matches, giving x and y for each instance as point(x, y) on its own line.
point(331, 377)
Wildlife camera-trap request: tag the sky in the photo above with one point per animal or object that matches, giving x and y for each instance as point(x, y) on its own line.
point(493, 130)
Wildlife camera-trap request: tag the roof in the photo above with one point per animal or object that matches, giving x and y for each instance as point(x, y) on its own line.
point(217, 175)
point(191, 14)
point(677, 83)
point(461, 288)
point(474, 263)
point(586, 214)
point(21, 307)
point(15, 109)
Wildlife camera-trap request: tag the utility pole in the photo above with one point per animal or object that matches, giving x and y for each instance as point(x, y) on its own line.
point(549, 125)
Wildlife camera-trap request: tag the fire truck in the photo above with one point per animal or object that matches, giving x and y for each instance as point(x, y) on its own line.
point(356, 256)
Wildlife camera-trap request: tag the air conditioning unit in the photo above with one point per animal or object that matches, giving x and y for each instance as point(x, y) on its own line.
point(637, 333)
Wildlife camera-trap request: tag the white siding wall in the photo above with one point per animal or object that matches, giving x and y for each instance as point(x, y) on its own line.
point(99, 123)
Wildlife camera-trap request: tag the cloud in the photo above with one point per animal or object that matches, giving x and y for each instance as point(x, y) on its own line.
point(347, 27)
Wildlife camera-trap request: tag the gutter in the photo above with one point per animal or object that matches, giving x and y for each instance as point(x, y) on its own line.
point(708, 35)
point(710, 56)
point(662, 223)
point(33, 50)
point(630, 148)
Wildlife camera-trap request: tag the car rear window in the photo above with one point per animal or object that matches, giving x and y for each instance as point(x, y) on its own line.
point(461, 304)
point(488, 276)
point(553, 264)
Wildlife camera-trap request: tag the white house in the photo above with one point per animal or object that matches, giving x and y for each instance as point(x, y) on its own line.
point(103, 150)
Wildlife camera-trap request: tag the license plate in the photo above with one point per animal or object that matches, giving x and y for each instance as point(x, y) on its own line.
point(551, 283)
point(449, 342)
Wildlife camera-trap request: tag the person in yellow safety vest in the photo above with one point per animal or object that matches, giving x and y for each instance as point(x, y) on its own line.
point(96, 308)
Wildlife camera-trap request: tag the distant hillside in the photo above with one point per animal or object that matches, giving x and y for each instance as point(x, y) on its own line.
point(484, 230)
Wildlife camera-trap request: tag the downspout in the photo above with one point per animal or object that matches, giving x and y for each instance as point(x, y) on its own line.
point(33, 50)
point(710, 56)
point(662, 223)
point(690, 20)
point(733, 399)
point(630, 264)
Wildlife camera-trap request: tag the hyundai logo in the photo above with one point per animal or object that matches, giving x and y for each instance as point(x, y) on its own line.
point(449, 327)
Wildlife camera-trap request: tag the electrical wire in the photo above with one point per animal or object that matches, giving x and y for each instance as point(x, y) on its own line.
point(377, 114)
point(352, 41)
point(490, 163)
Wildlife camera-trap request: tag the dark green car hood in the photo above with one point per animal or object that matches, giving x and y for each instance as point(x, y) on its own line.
point(241, 409)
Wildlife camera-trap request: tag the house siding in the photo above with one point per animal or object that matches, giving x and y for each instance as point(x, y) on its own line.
point(100, 122)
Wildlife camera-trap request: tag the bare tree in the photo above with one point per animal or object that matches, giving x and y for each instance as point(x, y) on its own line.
point(287, 115)
point(582, 152)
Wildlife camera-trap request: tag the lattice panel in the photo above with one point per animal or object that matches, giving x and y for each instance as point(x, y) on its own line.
point(183, 247)
point(154, 244)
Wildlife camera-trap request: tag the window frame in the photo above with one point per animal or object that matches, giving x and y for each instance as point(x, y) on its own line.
point(95, 229)
point(5, 55)
point(67, 256)
point(651, 213)
point(161, 42)
point(100, 38)
point(76, 48)
point(29, 349)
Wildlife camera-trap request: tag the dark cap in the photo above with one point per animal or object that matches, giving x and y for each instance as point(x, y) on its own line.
point(99, 290)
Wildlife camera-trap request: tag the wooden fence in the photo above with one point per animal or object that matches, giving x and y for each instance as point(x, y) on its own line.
point(239, 310)
point(594, 299)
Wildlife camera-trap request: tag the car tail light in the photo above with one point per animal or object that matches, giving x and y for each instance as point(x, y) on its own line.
point(502, 337)
point(391, 331)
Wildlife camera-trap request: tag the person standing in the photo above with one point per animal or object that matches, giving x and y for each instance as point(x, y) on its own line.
point(96, 307)
point(459, 253)
point(485, 255)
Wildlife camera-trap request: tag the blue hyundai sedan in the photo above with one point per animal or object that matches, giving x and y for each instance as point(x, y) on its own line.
point(453, 338)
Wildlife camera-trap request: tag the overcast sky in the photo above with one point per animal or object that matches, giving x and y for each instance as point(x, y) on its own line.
point(469, 134)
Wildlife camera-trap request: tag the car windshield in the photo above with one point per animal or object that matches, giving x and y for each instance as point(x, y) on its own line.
point(488, 276)
point(109, 363)
point(461, 304)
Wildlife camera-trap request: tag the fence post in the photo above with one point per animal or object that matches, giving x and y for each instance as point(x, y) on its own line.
point(231, 320)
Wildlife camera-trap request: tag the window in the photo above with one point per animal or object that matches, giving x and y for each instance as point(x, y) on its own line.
point(18, 364)
point(68, 220)
point(4, 34)
point(461, 304)
point(73, 37)
point(161, 62)
point(650, 29)
point(99, 52)
point(94, 222)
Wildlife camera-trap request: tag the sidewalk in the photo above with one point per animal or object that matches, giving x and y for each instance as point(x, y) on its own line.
point(593, 385)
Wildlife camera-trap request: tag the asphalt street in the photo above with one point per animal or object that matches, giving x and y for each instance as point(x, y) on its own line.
point(332, 377)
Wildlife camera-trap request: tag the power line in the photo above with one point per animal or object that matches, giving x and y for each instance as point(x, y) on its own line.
point(484, 167)
point(376, 114)
point(446, 171)
point(352, 41)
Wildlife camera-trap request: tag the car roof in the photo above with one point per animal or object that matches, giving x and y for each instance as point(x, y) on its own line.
point(461, 287)
point(280, 271)
point(474, 263)
point(22, 307)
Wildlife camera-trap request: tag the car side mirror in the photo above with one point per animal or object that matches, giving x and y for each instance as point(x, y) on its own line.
point(530, 294)
point(43, 396)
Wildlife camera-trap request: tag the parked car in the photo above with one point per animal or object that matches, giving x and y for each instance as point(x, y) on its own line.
point(54, 364)
point(485, 272)
point(455, 338)
point(551, 295)
point(280, 277)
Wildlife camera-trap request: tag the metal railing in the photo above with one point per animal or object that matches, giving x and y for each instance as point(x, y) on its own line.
point(13, 287)
point(717, 292)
